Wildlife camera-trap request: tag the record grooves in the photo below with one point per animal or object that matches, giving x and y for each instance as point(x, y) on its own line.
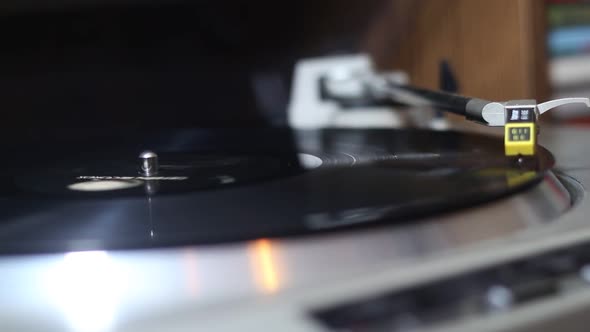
point(231, 186)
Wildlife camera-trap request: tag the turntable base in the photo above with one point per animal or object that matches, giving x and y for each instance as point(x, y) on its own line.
point(281, 283)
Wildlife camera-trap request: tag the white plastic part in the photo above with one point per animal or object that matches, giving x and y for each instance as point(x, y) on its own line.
point(308, 111)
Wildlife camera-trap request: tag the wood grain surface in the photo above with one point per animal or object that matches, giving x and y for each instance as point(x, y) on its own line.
point(497, 48)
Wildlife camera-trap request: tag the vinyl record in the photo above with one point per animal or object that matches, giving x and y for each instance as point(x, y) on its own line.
point(61, 194)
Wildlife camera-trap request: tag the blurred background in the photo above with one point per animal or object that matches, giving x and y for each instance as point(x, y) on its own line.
point(129, 62)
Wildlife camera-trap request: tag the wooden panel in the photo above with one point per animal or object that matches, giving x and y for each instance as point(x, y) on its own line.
point(496, 47)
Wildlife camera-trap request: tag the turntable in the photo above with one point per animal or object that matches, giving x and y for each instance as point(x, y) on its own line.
point(369, 212)
point(333, 229)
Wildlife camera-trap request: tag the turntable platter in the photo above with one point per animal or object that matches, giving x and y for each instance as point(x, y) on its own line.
point(233, 185)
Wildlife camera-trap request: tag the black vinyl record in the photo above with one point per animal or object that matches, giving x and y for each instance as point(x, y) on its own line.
point(216, 186)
